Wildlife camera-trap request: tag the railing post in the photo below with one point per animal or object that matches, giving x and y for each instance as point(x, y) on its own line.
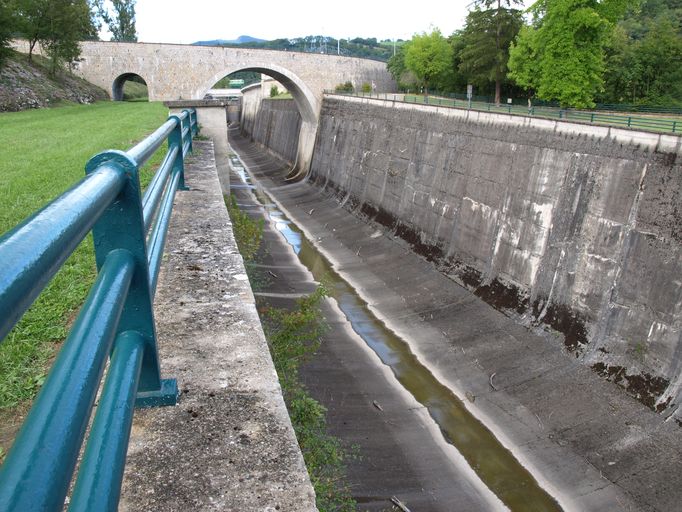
point(175, 140)
point(674, 126)
point(193, 123)
point(189, 129)
point(121, 226)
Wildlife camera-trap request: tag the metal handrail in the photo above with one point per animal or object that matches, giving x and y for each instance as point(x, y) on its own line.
point(115, 324)
point(598, 118)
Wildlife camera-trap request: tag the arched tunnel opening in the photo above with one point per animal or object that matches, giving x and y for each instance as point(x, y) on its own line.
point(129, 87)
point(259, 95)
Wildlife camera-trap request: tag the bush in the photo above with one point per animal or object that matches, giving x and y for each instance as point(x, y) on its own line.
point(274, 91)
point(366, 87)
point(347, 87)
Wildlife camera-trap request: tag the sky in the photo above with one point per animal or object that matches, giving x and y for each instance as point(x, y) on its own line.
point(182, 21)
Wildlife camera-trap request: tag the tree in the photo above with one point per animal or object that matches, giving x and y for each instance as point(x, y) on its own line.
point(121, 21)
point(7, 23)
point(58, 25)
point(524, 63)
point(32, 21)
point(396, 64)
point(459, 80)
point(660, 59)
point(561, 56)
point(68, 22)
point(396, 67)
point(429, 57)
point(644, 55)
point(485, 40)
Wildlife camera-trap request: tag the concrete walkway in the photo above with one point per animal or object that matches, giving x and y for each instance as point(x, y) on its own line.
point(228, 445)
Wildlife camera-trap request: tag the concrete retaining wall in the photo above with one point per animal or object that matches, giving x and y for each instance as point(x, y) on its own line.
point(274, 123)
point(568, 227)
point(251, 98)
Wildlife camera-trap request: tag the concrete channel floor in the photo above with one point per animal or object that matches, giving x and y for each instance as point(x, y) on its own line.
point(396, 450)
point(587, 442)
point(228, 444)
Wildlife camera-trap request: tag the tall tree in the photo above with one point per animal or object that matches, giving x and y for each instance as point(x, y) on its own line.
point(489, 31)
point(58, 25)
point(405, 78)
point(644, 56)
point(396, 64)
point(459, 80)
point(561, 56)
point(32, 21)
point(429, 57)
point(121, 21)
point(68, 22)
point(7, 27)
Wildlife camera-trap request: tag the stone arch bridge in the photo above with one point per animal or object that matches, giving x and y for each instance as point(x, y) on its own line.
point(186, 72)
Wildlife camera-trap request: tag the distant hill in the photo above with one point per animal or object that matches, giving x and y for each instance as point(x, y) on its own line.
point(229, 42)
point(367, 48)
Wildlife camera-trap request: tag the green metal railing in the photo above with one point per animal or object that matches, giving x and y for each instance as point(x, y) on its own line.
point(599, 118)
point(115, 324)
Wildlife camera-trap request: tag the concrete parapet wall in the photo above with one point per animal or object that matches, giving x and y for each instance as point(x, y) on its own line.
point(571, 227)
point(273, 123)
point(228, 445)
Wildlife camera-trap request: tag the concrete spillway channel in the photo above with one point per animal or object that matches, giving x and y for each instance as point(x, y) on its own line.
point(419, 432)
point(401, 451)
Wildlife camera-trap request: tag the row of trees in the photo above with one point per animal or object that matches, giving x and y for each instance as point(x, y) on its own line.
point(58, 25)
point(367, 48)
point(574, 52)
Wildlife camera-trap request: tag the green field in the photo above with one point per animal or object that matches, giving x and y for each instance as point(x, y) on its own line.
point(43, 153)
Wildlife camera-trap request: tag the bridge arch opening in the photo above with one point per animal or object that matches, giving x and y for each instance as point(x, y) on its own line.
point(306, 101)
point(129, 87)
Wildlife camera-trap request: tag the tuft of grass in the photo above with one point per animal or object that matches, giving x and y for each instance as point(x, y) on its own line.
point(44, 153)
point(293, 337)
point(247, 232)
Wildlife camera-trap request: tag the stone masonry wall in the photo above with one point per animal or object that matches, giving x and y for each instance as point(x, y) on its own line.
point(571, 228)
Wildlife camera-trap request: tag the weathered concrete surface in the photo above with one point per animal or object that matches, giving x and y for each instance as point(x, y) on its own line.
point(590, 444)
point(228, 444)
point(395, 451)
point(573, 228)
point(273, 123)
point(212, 116)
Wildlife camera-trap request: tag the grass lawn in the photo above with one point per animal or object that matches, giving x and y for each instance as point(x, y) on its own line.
point(43, 153)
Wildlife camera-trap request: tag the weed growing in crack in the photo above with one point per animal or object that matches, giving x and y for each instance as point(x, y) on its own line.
point(294, 337)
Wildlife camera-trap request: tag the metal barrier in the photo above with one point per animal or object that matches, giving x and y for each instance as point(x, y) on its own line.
point(116, 320)
point(635, 122)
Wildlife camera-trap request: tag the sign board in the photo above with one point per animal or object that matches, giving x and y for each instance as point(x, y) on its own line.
point(470, 91)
